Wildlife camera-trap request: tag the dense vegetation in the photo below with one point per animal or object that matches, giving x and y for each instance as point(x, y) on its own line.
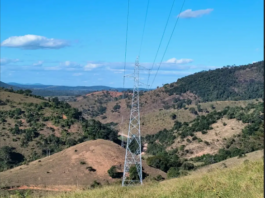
point(249, 140)
point(227, 83)
point(30, 119)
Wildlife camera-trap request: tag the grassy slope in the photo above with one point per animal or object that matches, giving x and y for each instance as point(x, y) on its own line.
point(244, 180)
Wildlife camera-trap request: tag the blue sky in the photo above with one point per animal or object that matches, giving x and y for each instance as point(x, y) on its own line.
point(82, 42)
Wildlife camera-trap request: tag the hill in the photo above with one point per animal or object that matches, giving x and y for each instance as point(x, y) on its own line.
point(243, 84)
point(227, 83)
point(31, 127)
point(235, 177)
point(80, 165)
point(55, 90)
point(8, 86)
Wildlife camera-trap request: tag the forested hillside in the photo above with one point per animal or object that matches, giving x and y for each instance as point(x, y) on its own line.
point(31, 126)
point(227, 83)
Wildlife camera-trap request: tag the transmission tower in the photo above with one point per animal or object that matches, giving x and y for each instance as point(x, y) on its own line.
point(122, 138)
point(133, 147)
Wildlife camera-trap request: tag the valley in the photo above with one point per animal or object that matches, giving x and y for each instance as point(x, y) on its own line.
point(67, 143)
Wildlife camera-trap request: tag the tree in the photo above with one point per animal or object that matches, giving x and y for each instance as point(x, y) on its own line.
point(112, 172)
point(116, 107)
point(193, 111)
point(173, 116)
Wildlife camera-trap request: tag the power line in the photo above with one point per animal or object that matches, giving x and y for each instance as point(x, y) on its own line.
point(128, 9)
point(168, 41)
point(161, 39)
point(143, 28)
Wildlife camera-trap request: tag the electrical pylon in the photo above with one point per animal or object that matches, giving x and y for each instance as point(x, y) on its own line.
point(133, 147)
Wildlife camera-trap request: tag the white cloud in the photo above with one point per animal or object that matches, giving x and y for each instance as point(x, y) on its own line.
point(33, 42)
point(39, 63)
point(77, 74)
point(116, 71)
point(180, 61)
point(90, 66)
point(69, 64)
point(193, 14)
point(5, 61)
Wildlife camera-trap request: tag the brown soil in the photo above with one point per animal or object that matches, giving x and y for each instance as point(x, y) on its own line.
point(69, 167)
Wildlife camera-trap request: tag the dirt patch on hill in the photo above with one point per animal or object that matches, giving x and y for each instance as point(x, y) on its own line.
point(71, 167)
point(111, 93)
point(213, 140)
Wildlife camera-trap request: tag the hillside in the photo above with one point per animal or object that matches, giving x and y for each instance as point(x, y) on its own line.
point(32, 127)
point(79, 165)
point(59, 90)
point(235, 177)
point(227, 83)
point(243, 84)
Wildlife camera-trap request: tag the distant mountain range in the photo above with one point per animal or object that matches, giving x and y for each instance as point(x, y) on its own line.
point(59, 90)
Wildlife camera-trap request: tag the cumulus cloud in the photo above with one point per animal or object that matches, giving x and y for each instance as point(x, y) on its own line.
point(180, 61)
point(31, 42)
point(194, 14)
point(6, 61)
point(90, 66)
point(39, 63)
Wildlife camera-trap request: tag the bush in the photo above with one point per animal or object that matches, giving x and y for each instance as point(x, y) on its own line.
point(90, 168)
point(133, 173)
point(95, 184)
point(112, 172)
point(187, 166)
point(159, 178)
point(82, 162)
point(116, 107)
point(173, 172)
point(182, 147)
point(204, 132)
point(173, 116)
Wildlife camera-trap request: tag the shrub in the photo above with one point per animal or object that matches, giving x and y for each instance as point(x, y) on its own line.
point(173, 172)
point(187, 166)
point(82, 162)
point(90, 168)
point(95, 184)
point(204, 132)
point(112, 172)
point(133, 173)
point(159, 178)
point(173, 116)
point(182, 147)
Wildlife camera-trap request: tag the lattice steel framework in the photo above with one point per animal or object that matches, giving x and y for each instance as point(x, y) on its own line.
point(133, 147)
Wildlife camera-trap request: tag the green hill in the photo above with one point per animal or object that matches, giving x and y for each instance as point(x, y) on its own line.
point(31, 127)
point(227, 83)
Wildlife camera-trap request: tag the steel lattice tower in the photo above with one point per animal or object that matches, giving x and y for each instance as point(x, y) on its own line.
point(133, 147)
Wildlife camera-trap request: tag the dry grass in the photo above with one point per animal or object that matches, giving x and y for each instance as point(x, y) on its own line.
point(214, 137)
point(153, 116)
point(244, 181)
point(65, 168)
